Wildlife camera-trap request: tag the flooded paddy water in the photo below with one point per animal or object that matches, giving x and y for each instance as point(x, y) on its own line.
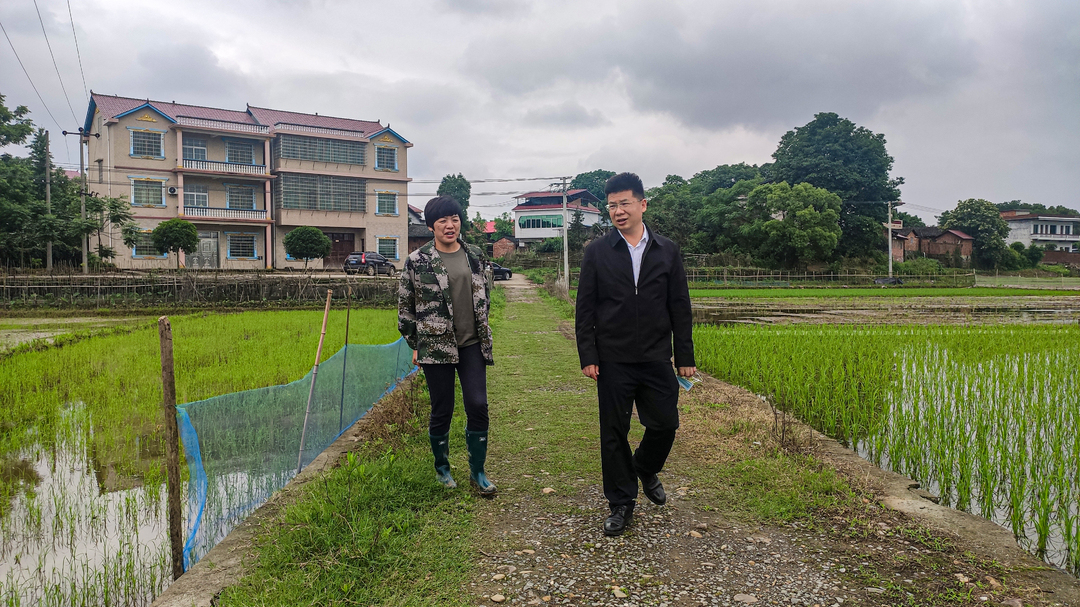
point(976, 398)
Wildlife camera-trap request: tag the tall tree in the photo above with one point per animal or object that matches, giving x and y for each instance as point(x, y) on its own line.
point(504, 226)
point(802, 225)
point(458, 188)
point(850, 161)
point(593, 181)
point(910, 221)
point(576, 232)
point(981, 220)
point(723, 176)
point(671, 211)
point(15, 127)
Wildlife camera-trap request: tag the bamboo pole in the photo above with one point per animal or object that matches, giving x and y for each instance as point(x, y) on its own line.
point(311, 391)
point(172, 447)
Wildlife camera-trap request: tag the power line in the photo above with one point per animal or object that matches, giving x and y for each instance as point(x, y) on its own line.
point(57, 68)
point(495, 180)
point(12, 45)
point(77, 52)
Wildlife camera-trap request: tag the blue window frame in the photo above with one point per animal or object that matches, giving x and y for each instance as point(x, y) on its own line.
point(387, 246)
point(387, 203)
point(241, 245)
point(147, 191)
point(145, 249)
point(147, 143)
point(385, 158)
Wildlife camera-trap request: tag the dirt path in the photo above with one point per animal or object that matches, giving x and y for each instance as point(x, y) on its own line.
point(542, 541)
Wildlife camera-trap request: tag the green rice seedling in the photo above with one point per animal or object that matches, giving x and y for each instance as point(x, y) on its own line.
point(986, 416)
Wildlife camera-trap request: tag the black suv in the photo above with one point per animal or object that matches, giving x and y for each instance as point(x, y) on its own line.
point(500, 273)
point(368, 262)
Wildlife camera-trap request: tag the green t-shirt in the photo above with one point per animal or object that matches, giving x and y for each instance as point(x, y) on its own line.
point(460, 275)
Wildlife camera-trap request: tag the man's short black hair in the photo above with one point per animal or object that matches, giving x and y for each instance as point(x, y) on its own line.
point(439, 207)
point(623, 182)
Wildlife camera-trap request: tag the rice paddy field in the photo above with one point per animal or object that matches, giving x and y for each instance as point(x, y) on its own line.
point(82, 513)
point(986, 416)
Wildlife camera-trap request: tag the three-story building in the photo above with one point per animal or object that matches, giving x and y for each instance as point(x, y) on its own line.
point(246, 178)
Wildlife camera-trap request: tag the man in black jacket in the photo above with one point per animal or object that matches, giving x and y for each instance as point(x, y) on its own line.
point(632, 302)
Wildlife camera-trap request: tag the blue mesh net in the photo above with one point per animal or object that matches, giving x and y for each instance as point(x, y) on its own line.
point(243, 447)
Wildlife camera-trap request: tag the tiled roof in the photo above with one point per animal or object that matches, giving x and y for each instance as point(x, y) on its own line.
point(573, 206)
point(113, 106)
point(419, 230)
point(569, 194)
point(962, 235)
point(271, 117)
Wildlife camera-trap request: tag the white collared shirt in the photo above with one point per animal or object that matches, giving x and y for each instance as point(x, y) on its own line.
point(637, 252)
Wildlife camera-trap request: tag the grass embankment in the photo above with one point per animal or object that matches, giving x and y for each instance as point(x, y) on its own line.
point(395, 538)
point(796, 292)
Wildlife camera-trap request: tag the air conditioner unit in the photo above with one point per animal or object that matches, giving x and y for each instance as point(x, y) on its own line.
point(173, 190)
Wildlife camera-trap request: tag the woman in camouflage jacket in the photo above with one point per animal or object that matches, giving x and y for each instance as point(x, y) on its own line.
point(443, 302)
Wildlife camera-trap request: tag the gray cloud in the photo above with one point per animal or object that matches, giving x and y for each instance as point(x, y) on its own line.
point(567, 114)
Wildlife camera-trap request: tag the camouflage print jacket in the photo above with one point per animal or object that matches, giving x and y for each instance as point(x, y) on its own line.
point(426, 313)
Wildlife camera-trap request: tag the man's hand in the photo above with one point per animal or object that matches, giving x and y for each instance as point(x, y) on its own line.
point(687, 371)
point(414, 358)
point(591, 371)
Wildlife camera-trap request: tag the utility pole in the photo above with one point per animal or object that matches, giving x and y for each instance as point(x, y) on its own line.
point(83, 138)
point(890, 238)
point(48, 200)
point(565, 240)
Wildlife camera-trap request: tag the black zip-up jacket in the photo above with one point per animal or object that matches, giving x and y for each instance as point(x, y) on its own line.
point(619, 322)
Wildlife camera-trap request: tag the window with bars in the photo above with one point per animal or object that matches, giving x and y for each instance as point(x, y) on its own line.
point(239, 152)
point(541, 221)
point(321, 192)
point(147, 192)
point(241, 246)
point(385, 158)
point(320, 149)
point(194, 148)
point(387, 204)
point(388, 248)
point(144, 246)
point(239, 197)
point(147, 144)
point(196, 195)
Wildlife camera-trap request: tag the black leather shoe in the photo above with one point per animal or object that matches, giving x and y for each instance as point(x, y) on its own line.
point(620, 519)
point(652, 488)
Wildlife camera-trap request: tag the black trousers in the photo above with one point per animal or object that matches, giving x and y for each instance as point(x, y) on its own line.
point(656, 391)
point(472, 371)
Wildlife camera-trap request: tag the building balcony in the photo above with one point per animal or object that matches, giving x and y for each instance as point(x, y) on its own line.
point(219, 213)
point(221, 125)
point(316, 130)
point(1056, 237)
point(225, 167)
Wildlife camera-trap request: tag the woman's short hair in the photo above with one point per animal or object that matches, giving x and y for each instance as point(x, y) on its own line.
point(439, 207)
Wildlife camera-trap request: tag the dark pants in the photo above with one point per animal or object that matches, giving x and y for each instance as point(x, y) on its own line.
point(656, 391)
point(472, 371)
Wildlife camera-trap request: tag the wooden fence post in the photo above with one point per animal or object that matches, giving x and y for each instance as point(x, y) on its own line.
point(172, 447)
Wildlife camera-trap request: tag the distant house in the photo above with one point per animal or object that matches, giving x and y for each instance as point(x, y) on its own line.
point(934, 242)
point(418, 230)
point(504, 246)
point(1062, 231)
point(539, 215)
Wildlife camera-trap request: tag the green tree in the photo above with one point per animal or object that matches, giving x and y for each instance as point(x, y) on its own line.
point(15, 127)
point(111, 213)
point(576, 232)
point(850, 161)
point(307, 243)
point(981, 220)
point(473, 232)
point(672, 210)
point(175, 235)
point(724, 220)
point(724, 176)
point(910, 221)
point(593, 181)
point(802, 225)
point(1035, 207)
point(458, 188)
point(504, 226)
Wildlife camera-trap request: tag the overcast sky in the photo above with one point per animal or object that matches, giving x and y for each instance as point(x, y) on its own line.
point(975, 99)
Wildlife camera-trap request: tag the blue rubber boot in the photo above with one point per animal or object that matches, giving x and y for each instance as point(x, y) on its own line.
point(440, 448)
point(477, 444)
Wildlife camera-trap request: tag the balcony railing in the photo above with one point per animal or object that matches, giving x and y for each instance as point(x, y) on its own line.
point(218, 213)
point(1066, 237)
point(221, 125)
point(284, 126)
point(225, 167)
